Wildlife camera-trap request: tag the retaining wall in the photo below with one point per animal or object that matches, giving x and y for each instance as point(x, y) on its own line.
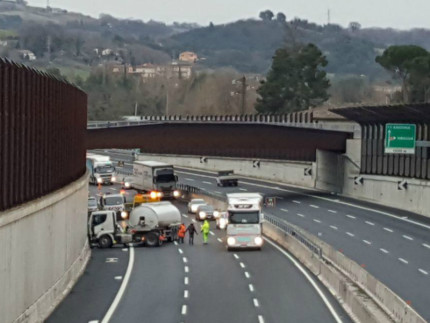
point(44, 250)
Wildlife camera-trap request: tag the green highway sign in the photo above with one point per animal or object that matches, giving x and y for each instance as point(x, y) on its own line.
point(400, 138)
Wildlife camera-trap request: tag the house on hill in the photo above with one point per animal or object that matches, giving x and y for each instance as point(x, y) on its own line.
point(189, 57)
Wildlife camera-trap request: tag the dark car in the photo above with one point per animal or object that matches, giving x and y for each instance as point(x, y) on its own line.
point(206, 212)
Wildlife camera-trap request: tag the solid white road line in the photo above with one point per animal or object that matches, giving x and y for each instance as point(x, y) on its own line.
point(247, 274)
point(122, 289)
point(219, 239)
point(383, 250)
point(184, 310)
point(332, 211)
point(260, 319)
point(243, 189)
point(189, 179)
point(351, 216)
point(314, 206)
point(180, 251)
point(317, 221)
point(251, 288)
point(310, 279)
point(187, 269)
point(186, 281)
point(422, 271)
point(284, 210)
point(236, 256)
point(403, 260)
point(256, 303)
point(408, 237)
point(350, 234)
point(369, 223)
point(426, 245)
point(209, 183)
point(184, 259)
point(389, 230)
point(186, 293)
point(211, 233)
point(333, 227)
point(242, 265)
point(297, 202)
point(217, 192)
point(367, 242)
point(301, 215)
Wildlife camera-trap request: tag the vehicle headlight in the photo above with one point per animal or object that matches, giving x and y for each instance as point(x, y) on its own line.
point(113, 179)
point(258, 241)
point(202, 215)
point(223, 223)
point(99, 180)
point(127, 184)
point(159, 194)
point(153, 195)
point(231, 241)
point(216, 214)
point(194, 208)
point(176, 193)
point(124, 214)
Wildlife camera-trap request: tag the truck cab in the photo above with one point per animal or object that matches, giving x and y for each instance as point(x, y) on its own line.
point(104, 230)
point(101, 169)
point(116, 203)
point(244, 220)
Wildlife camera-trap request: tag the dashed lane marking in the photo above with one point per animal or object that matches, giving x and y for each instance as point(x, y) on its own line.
point(186, 293)
point(184, 310)
point(187, 269)
point(93, 322)
point(118, 277)
point(236, 256)
point(211, 233)
point(124, 249)
point(297, 202)
point(279, 197)
point(111, 260)
point(350, 234)
point(184, 259)
point(209, 183)
point(408, 237)
point(300, 215)
point(217, 192)
point(333, 227)
point(351, 216)
point(185, 216)
point(314, 206)
point(189, 179)
point(194, 220)
point(426, 245)
point(422, 271)
point(317, 221)
point(403, 260)
point(256, 303)
point(369, 223)
point(247, 274)
point(112, 189)
point(367, 242)
point(180, 251)
point(175, 242)
point(242, 265)
point(389, 230)
point(243, 189)
point(260, 319)
point(186, 281)
point(251, 288)
point(332, 211)
point(219, 239)
point(383, 250)
point(284, 210)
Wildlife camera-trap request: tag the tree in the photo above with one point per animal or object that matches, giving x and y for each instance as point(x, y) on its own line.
point(266, 15)
point(400, 60)
point(295, 82)
point(354, 26)
point(280, 17)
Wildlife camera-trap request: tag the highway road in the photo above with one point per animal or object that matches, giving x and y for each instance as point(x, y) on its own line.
point(200, 283)
point(393, 245)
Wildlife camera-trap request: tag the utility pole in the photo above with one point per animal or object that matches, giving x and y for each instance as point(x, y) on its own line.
point(243, 92)
point(48, 47)
point(328, 17)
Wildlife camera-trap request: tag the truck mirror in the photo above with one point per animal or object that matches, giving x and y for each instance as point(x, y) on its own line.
point(176, 178)
point(154, 180)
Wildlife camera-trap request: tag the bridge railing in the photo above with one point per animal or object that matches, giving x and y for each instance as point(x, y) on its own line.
point(42, 134)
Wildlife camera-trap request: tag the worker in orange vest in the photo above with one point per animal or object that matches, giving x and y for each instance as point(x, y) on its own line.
point(181, 233)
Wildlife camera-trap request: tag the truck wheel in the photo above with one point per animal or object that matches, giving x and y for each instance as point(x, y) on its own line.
point(105, 242)
point(152, 239)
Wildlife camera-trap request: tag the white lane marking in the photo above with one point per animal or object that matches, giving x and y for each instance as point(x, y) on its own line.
point(219, 240)
point(408, 237)
point(247, 274)
point(184, 259)
point(332, 211)
point(389, 230)
point(369, 223)
point(243, 189)
point(310, 279)
point(180, 251)
point(217, 192)
point(383, 250)
point(186, 280)
point(260, 319)
point(93, 322)
point(317, 221)
point(422, 271)
point(403, 260)
point(297, 202)
point(242, 265)
point(186, 293)
point(284, 210)
point(236, 256)
point(189, 179)
point(301, 215)
point(118, 277)
point(367, 242)
point(333, 227)
point(185, 216)
point(175, 242)
point(256, 303)
point(314, 206)
point(124, 249)
point(194, 220)
point(187, 269)
point(122, 289)
point(184, 310)
point(350, 234)
point(426, 245)
point(251, 288)
point(209, 183)
point(211, 233)
point(351, 216)
point(110, 260)
point(112, 189)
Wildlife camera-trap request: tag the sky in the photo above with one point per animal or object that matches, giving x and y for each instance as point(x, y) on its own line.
point(399, 14)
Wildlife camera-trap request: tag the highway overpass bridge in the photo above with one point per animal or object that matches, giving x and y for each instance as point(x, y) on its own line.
point(362, 247)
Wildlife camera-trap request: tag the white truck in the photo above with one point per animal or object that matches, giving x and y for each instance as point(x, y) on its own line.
point(244, 229)
point(155, 178)
point(101, 169)
point(149, 223)
point(114, 202)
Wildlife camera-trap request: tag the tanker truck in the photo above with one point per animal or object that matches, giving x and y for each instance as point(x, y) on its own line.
point(149, 223)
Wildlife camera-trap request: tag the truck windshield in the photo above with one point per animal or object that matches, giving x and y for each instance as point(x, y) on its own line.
point(252, 217)
point(92, 202)
point(105, 169)
point(114, 200)
point(165, 176)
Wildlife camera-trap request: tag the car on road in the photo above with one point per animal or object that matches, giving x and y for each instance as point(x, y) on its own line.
point(206, 212)
point(126, 183)
point(194, 204)
point(92, 204)
point(222, 221)
point(226, 178)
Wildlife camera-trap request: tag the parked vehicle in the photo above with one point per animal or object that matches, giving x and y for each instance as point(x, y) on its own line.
point(92, 204)
point(151, 176)
point(194, 204)
point(114, 202)
point(101, 169)
point(206, 212)
point(227, 178)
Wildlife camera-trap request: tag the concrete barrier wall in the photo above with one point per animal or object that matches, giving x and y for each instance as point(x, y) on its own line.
point(280, 171)
point(44, 250)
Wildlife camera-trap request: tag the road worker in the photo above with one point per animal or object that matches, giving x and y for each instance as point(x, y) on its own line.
point(181, 233)
point(205, 229)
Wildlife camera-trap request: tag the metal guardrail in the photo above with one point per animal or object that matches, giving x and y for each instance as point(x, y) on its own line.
point(196, 190)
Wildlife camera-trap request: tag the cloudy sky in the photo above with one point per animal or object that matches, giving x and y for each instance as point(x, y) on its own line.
point(401, 14)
